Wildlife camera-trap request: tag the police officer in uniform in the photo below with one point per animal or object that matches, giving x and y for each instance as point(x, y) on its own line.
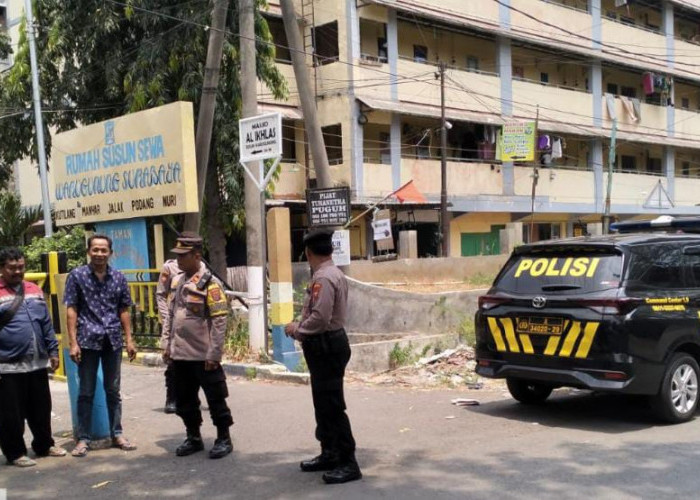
point(169, 271)
point(194, 342)
point(327, 352)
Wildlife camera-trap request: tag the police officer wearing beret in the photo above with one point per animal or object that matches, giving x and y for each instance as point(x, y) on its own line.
point(194, 342)
point(327, 352)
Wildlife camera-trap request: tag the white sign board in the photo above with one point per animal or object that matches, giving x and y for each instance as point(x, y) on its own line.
point(341, 247)
point(382, 229)
point(260, 137)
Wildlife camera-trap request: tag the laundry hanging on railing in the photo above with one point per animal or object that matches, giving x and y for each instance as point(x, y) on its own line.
point(655, 83)
point(550, 148)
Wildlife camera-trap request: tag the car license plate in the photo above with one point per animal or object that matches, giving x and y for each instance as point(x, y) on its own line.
point(542, 325)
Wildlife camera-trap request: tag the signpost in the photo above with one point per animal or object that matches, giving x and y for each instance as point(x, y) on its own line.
point(328, 207)
point(260, 138)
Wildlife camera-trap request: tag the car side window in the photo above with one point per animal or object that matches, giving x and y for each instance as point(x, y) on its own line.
point(656, 267)
point(691, 263)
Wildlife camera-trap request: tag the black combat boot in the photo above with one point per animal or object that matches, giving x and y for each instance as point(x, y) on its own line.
point(347, 471)
point(223, 445)
point(327, 460)
point(169, 406)
point(193, 443)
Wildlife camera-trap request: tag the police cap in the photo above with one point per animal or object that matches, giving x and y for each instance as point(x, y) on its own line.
point(318, 235)
point(186, 242)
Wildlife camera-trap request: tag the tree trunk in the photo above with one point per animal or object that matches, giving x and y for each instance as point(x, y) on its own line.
point(216, 238)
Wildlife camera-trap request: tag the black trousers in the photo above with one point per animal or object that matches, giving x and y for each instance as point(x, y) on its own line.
point(25, 396)
point(327, 355)
point(189, 377)
point(170, 382)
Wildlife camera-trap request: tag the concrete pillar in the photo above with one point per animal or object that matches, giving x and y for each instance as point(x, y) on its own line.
point(408, 244)
point(670, 171)
point(595, 84)
point(281, 288)
point(395, 150)
point(356, 130)
point(505, 69)
point(158, 247)
point(596, 164)
point(504, 14)
point(392, 48)
point(667, 24)
point(517, 228)
point(594, 228)
point(596, 29)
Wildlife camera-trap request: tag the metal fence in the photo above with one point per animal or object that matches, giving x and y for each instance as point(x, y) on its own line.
point(145, 322)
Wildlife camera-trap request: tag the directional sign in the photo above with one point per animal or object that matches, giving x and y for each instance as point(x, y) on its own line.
point(260, 137)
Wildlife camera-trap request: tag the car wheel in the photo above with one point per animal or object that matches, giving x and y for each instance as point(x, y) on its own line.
point(528, 392)
point(677, 399)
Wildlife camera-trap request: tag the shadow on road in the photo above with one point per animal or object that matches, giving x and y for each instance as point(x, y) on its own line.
point(582, 410)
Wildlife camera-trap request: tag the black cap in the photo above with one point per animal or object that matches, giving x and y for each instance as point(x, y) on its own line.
point(321, 234)
point(186, 242)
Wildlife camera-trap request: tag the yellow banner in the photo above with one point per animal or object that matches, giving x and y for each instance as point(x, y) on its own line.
point(138, 165)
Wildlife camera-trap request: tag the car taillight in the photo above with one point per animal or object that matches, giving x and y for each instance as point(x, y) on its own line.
point(487, 302)
point(610, 306)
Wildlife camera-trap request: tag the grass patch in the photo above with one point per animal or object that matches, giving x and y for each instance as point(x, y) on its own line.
point(236, 345)
point(481, 280)
point(467, 332)
point(401, 356)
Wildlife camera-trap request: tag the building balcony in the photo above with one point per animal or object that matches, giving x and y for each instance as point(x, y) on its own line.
point(622, 43)
point(546, 19)
point(559, 185)
point(686, 191)
point(561, 109)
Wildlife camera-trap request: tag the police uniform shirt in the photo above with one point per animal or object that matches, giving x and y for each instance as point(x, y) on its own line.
point(169, 271)
point(325, 305)
point(198, 318)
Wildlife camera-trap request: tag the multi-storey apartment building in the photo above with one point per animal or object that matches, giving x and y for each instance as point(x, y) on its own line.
point(576, 65)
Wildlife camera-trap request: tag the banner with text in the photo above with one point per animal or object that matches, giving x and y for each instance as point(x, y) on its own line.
point(328, 207)
point(138, 165)
point(129, 243)
point(518, 141)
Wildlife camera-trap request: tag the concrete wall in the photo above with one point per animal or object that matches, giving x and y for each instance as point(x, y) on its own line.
point(373, 309)
point(414, 270)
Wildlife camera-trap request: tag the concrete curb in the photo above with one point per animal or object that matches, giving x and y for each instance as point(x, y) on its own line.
point(274, 372)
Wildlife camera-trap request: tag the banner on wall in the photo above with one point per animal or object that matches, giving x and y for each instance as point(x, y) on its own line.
point(138, 165)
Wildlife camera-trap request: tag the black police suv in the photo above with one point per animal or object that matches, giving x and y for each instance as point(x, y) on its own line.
point(616, 313)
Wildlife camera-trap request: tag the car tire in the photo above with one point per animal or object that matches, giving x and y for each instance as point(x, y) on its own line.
point(528, 392)
point(678, 396)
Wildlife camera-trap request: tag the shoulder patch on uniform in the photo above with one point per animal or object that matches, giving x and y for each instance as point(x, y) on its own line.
point(216, 300)
point(316, 290)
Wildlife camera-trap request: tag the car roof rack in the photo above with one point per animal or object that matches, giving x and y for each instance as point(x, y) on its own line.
point(665, 223)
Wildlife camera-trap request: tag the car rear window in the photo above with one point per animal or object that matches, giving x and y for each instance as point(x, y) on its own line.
point(563, 271)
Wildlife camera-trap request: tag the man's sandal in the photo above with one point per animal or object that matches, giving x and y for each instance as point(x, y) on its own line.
point(123, 444)
point(55, 451)
point(23, 461)
point(81, 449)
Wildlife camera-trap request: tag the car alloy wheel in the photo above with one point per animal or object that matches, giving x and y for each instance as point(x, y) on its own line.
point(684, 389)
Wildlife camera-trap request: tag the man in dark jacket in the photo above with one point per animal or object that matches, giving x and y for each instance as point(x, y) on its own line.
point(28, 347)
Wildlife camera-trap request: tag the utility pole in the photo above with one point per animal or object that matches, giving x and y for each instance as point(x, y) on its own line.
point(535, 178)
point(254, 196)
point(307, 95)
point(205, 118)
point(611, 163)
point(444, 221)
point(38, 121)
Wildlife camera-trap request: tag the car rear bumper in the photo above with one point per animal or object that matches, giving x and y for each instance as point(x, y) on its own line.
point(645, 378)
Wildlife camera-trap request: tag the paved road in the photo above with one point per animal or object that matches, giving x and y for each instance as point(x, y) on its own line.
point(577, 446)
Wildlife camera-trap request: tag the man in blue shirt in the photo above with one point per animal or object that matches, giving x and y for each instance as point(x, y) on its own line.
point(98, 300)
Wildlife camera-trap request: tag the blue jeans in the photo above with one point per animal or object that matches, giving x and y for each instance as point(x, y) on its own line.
point(111, 371)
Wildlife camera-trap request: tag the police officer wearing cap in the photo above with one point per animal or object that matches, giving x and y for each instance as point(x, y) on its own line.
point(194, 341)
point(327, 352)
point(169, 271)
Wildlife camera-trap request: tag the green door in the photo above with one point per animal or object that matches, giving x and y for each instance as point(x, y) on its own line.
point(482, 243)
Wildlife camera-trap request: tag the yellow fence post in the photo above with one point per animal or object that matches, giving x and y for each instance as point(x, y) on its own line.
point(59, 374)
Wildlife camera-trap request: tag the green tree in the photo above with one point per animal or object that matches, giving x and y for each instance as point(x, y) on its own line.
point(15, 220)
point(100, 59)
point(72, 242)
